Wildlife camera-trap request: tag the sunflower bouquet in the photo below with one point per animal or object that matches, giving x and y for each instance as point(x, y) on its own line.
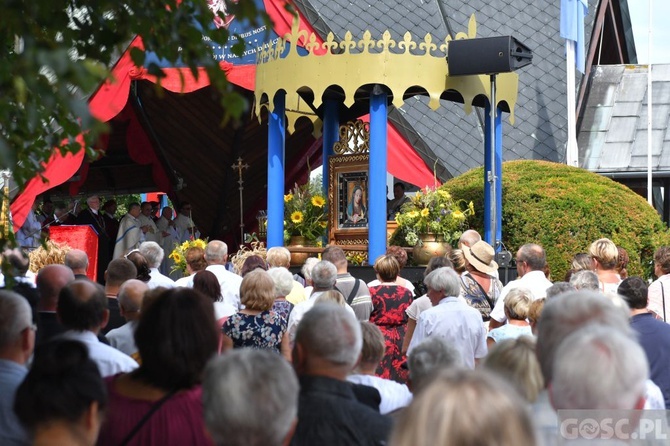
point(433, 211)
point(305, 213)
point(178, 254)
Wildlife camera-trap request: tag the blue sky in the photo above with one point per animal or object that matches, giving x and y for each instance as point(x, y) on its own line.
point(639, 13)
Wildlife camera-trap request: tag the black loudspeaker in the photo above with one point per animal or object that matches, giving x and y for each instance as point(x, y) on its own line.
point(487, 55)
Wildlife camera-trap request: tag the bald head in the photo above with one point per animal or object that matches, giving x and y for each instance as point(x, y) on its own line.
point(77, 261)
point(130, 298)
point(50, 280)
point(469, 238)
point(216, 252)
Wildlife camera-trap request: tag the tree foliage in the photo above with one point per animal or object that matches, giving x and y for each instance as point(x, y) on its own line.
point(565, 209)
point(55, 53)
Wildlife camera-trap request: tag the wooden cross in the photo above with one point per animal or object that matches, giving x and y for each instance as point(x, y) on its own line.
point(240, 167)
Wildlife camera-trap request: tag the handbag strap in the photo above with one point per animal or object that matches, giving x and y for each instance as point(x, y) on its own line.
point(663, 297)
point(146, 417)
point(354, 290)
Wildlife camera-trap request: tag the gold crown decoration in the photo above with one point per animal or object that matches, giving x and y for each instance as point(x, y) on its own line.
point(401, 66)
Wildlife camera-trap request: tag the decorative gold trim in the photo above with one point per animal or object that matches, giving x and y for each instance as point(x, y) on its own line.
point(399, 65)
point(354, 138)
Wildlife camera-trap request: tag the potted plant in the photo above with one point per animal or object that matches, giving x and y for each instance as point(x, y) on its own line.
point(431, 221)
point(305, 218)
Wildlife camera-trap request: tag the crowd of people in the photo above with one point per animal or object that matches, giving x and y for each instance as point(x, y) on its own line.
point(262, 356)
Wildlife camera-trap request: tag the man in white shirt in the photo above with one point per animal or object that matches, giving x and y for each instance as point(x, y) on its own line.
point(153, 252)
point(450, 318)
point(531, 260)
point(184, 225)
point(216, 254)
point(82, 309)
point(130, 298)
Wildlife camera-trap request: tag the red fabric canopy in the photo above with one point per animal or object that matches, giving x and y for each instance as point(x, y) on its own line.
point(111, 99)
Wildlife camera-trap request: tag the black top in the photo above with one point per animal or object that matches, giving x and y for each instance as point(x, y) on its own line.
point(48, 327)
point(654, 337)
point(115, 318)
point(329, 414)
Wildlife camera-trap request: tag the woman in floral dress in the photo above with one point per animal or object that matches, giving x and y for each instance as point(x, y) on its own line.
point(257, 325)
point(390, 301)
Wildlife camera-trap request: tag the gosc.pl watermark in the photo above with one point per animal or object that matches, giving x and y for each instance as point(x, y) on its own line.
point(633, 427)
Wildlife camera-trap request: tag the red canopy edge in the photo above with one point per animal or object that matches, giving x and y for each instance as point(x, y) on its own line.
point(112, 97)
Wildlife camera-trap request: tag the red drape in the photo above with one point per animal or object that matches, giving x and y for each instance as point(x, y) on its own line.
point(112, 96)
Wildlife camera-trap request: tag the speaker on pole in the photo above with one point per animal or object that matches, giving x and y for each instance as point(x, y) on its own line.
point(488, 55)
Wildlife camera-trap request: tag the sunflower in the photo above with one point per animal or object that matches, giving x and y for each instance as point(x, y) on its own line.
point(199, 243)
point(176, 257)
point(412, 214)
point(323, 224)
point(288, 197)
point(458, 215)
point(297, 217)
point(318, 201)
point(425, 212)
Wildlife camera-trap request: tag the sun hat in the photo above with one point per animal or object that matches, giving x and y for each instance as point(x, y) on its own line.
point(480, 255)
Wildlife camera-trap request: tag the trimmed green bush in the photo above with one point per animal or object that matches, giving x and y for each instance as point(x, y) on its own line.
point(565, 209)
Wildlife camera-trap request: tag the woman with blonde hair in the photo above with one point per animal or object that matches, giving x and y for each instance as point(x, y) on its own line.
point(517, 304)
point(257, 325)
point(515, 361)
point(465, 408)
point(605, 259)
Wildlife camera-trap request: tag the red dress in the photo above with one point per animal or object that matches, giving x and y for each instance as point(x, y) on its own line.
point(389, 303)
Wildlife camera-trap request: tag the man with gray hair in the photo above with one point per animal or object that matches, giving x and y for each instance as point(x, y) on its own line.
point(450, 318)
point(260, 409)
point(130, 298)
point(585, 280)
point(469, 238)
point(17, 341)
point(153, 252)
point(324, 276)
point(531, 260)
point(77, 261)
point(430, 357)
point(216, 255)
point(562, 316)
point(582, 373)
point(327, 345)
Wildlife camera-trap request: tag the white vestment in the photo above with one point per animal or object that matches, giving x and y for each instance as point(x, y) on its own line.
point(129, 236)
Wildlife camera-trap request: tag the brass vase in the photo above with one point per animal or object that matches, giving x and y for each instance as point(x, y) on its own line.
point(429, 246)
point(299, 258)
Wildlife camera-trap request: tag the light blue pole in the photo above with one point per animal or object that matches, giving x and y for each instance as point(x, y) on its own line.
point(331, 134)
point(276, 145)
point(377, 176)
point(493, 179)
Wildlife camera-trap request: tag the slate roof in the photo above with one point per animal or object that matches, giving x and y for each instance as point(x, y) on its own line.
point(613, 135)
point(457, 139)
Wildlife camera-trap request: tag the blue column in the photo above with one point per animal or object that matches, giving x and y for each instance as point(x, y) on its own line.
point(496, 187)
point(377, 178)
point(331, 134)
point(276, 145)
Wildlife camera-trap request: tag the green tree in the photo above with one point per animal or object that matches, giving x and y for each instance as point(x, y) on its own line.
point(54, 54)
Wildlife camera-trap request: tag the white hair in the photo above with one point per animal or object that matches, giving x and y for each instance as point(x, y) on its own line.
point(568, 312)
point(283, 280)
point(308, 267)
point(444, 279)
point(324, 275)
point(585, 280)
point(429, 357)
point(15, 316)
point(278, 256)
point(598, 367)
point(153, 252)
point(330, 332)
point(250, 397)
point(216, 251)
